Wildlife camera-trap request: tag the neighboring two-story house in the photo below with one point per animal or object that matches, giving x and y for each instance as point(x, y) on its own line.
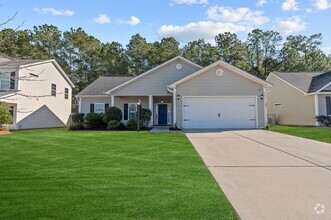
point(38, 93)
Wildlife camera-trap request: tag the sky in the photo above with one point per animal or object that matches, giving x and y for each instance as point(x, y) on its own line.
point(185, 20)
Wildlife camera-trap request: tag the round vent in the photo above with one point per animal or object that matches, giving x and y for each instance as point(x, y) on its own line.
point(179, 66)
point(219, 72)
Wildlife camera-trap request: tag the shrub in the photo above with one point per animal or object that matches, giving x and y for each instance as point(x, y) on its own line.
point(324, 120)
point(5, 116)
point(93, 121)
point(145, 117)
point(75, 127)
point(77, 118)
point(113, 125)
point(132, 124)
point(111, 114)
point(121, 126)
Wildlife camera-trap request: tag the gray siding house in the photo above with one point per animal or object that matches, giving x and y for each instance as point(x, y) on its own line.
point(181, 93)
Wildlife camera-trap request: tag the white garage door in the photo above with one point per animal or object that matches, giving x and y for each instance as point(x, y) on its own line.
point(219, 112)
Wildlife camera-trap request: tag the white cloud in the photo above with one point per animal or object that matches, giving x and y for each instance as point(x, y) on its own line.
point(102, 19)
point(190, 2)
point(326, 50)
point(132, 21)
point(203, 29)
point(308, 10)
point(260, 3)
point(322, 4)
point(54, 11)
point(290, 5)
point(242, 15)
point(292, 24)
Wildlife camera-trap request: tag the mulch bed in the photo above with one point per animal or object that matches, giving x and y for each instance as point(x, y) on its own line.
point(4, 132)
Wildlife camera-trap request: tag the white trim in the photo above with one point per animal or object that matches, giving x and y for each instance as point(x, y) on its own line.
point(152, 70)
point(320, 93)
point(150, 106)
point(317, 111)
point(174, 102)
point(91, 96)
point(272, 74)
point(79, 105)
point(265, 108)
point(112, 100)
point(256, 105)
point(226, 65)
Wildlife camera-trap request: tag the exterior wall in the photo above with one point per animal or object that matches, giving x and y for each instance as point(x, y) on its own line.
point(229, 84)
point(36, 93)
point(120, 101)
point(296, 108)
point(86, 101)
point(156, 83)
point(322, 104)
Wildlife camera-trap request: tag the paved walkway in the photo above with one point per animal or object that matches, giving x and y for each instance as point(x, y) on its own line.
point(268, 175)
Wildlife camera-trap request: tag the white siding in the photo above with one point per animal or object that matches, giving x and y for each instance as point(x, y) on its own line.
point(230, 84)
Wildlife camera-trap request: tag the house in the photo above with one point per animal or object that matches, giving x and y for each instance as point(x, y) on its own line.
point(38, 93)
point(182, 94)
point(297, 97)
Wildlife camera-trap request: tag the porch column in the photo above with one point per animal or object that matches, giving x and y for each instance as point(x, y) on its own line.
point(174, 101)
point(80, 105)
point(112, 100)
point(317, 109)
point(150, 105)
point(265, 107)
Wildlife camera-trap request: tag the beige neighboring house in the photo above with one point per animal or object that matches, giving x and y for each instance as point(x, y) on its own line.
point(297, 97)
point(38, 93)
point(181, 93)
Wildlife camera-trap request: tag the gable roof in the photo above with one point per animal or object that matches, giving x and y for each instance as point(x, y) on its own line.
point(154, 69)
point(307, 82)
point(8, 63)
point(101, 85)
point(226, 65)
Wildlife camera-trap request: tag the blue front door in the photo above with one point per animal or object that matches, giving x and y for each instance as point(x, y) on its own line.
point(163, 114)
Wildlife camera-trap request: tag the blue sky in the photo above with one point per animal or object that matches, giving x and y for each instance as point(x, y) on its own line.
point(118, 20)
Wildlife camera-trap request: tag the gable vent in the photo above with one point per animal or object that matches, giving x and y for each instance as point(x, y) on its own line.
point(219, 72)
point(179, 66)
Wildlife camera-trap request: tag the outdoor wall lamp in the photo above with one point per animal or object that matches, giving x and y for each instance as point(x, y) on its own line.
point(138, 114)
point(261, 97)
point(178, 97)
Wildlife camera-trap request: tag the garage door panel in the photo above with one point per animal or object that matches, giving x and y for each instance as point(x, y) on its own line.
point(219, 112)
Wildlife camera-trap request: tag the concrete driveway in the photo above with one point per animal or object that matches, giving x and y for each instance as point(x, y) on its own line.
point(267, 175)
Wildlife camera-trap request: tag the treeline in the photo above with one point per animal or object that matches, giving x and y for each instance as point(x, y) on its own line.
point(85, 58)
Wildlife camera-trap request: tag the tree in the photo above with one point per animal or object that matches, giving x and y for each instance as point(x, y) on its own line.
point(163, 51)
point(200, 52)
point(114, 60)
point(5, 116)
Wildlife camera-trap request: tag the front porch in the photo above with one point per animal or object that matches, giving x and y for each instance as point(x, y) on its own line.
point(160, 106)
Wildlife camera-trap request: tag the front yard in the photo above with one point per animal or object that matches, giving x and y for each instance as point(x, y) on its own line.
point(318, 134)
point(58, 174)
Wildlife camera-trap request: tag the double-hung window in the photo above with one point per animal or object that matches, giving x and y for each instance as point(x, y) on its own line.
point(99, 107)
point(53, 92)
point(5, 81)
point(66, 93)
point(132, 110)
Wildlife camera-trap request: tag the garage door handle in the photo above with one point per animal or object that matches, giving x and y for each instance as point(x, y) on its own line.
point(219, 115)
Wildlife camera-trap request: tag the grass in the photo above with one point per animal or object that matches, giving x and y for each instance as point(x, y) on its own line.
point(319, 134)
point(56, 174)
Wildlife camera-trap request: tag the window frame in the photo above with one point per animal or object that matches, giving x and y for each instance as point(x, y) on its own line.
point(96, 108)
point(66, 93)
point(132, 112)
point(5, 77)
point(53, 90)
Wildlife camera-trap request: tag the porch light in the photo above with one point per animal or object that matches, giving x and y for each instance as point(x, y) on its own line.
point(261, 97)
point(138, 114)
point(178, 97)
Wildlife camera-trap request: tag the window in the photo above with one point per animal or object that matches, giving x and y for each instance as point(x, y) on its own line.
point(99, 107)
point(328, 105)
point(132, 111)
point(4, 81)
point(53, 90)
point(277, 104)
point(66, 93)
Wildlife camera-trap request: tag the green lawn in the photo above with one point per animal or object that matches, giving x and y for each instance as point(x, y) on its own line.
point(319, 134)
point(57, 174)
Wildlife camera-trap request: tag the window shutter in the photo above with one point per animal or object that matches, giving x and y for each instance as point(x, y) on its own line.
point(125, 115)
point(12, 80)
point(328, 105)
point(106, 106)
point(91, 108)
